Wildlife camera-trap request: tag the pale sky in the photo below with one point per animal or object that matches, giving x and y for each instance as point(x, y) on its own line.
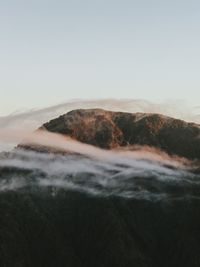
point(53, 50)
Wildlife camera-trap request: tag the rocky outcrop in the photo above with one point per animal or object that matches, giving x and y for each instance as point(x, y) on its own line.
point(109, 130)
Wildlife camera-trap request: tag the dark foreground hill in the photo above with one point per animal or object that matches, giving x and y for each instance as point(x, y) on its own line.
point(71, 211)
point(75, 230)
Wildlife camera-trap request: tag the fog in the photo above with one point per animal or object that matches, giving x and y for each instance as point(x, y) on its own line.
point(141, 172)
point(66, 144)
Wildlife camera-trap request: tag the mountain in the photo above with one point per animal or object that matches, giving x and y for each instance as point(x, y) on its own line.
point(74, 211)
point(109, 130)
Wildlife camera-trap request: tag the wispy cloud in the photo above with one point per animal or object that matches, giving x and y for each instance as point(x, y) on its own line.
point(138, 174)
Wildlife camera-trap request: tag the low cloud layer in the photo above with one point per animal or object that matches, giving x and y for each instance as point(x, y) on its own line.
point(141, 173)
point(66, 144)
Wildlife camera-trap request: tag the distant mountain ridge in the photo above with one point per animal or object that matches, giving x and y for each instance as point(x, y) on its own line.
point(108, 129)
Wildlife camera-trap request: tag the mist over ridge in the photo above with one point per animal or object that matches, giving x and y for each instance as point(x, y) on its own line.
point(105, 153)
point(92, 181)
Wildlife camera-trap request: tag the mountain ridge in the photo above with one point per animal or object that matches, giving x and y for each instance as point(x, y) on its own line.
point(109, 129)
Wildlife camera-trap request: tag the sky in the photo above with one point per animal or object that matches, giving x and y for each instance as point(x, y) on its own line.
point(52, 51)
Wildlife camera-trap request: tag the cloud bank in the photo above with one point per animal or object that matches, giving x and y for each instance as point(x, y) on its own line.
point(141, 173)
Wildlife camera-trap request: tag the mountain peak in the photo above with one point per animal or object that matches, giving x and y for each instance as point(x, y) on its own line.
point(108, 129)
